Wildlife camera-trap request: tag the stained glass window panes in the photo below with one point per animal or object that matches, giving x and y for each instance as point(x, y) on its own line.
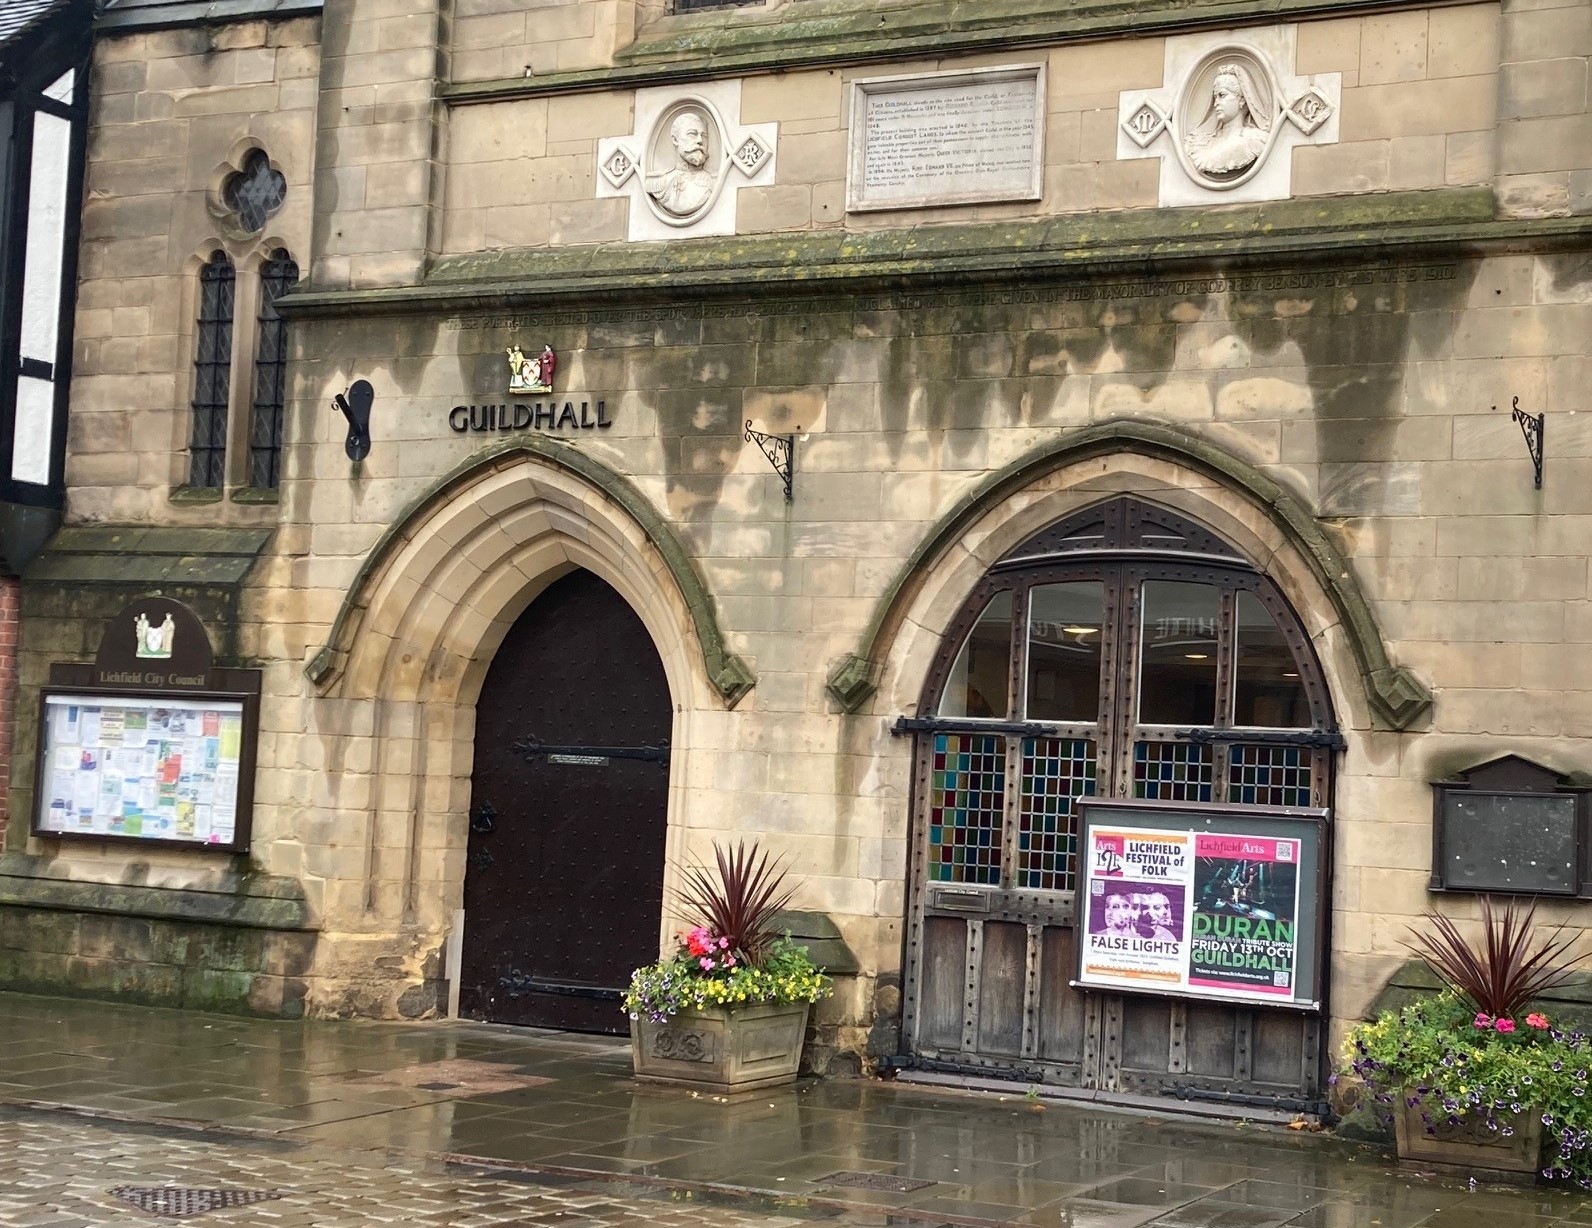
point(1267, 690)
point(981, 674)
point(212, 373)
point(1055, 773)
point(270, 375)
point(1172, 772)
point(1177, 675)
point(1269, 775)
point(255, 192)
point(1064, 648)
point(967, 797)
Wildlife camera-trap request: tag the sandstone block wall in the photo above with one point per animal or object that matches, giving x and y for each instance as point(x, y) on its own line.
point(174, 112)
point(1420, 106)
point(1379, 398)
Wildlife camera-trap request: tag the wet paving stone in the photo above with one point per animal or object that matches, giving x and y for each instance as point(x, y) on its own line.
point(363, 1117)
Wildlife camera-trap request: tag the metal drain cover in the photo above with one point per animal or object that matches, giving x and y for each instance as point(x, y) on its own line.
point(180, 1201)
point(874, 1181)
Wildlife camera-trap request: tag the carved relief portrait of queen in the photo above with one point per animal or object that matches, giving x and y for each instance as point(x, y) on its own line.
point(1229, 115)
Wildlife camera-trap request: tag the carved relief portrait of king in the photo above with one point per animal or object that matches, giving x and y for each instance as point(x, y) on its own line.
point(1235, 128)
point(690, 183)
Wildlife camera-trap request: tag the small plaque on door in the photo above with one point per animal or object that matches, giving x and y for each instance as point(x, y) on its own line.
point(580, 760)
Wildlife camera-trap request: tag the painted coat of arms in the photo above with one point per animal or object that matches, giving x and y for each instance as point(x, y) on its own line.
point(531, 375)
point(154, 640)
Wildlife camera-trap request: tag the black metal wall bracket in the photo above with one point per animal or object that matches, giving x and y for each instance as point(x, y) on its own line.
point(1531, 426)
point(356, 408)
point(781, 453)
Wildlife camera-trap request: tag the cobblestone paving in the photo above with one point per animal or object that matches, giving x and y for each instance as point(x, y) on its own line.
point(61, 1171)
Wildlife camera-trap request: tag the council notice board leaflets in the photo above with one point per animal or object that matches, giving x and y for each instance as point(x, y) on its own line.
point(1222, 903)
point(151, 743)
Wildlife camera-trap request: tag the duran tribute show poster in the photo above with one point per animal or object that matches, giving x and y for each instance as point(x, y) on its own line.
point(1204, 913)
point(162, 770)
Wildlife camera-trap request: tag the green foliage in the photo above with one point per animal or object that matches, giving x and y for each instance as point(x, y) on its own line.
point(786, 975)
point(733, 958)
point(1460, 1065)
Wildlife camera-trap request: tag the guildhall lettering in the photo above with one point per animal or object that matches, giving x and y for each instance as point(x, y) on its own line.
point(540, 416)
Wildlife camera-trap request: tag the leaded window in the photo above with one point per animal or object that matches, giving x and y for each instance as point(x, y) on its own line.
point(212, 389)
point(255, 192)
point(1125, 651)
point(270, 374)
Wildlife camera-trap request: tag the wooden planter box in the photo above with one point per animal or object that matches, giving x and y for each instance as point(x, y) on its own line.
point(1471, 1147)
point(722, 1050)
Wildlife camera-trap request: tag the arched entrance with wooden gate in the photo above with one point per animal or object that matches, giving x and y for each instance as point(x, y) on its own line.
point(1123, 651)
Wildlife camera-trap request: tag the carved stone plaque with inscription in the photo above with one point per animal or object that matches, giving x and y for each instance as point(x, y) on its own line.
point(951, 138)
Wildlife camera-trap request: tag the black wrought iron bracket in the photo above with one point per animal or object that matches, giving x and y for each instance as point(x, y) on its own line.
point(355, 407)
point(933, 724)
point(532, 749)
point(1532, 427)
point(1329, 739)
point(781, 453)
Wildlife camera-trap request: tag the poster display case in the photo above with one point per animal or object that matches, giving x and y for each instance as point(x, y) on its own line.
point(151, 743)
point(1220, 903)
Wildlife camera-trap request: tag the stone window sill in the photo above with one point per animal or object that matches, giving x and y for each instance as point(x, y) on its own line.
point(256, 494)
point(196, 494)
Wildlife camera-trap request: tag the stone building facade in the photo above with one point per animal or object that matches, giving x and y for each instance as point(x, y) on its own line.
point(1256, 283)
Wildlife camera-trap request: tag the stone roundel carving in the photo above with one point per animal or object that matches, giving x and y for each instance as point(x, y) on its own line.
point(686, 162)
point(1227, 117)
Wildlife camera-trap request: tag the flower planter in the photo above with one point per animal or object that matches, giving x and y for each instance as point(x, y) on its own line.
point(1471, 1146)
point(721, 1050)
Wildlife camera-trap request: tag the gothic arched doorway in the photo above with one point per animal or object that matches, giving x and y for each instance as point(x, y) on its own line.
point(1124, 651)
point(563, 886)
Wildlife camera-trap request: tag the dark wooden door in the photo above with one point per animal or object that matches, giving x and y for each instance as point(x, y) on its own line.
point(563, 887)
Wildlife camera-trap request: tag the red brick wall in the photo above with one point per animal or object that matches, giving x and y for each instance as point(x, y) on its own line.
point(10, 591)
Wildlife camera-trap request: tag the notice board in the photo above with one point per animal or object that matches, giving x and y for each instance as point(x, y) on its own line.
point(1217, 903)
point(151, 743)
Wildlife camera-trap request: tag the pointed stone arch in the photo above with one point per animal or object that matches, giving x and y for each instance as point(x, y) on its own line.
point(1292, 539)
point(471, 530)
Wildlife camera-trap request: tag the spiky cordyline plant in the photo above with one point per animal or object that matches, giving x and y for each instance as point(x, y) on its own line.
point(740, 901)
point(1508, 970)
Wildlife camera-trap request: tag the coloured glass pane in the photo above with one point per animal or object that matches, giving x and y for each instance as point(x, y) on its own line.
point(967, 786)
point(1056, 772)
point(1172, 772)
point(1269, 775)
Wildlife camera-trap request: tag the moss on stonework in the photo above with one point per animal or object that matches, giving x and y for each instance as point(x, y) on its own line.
point(1396, 696)
point(817, 33)
point(1400, 226)
point(730, 675)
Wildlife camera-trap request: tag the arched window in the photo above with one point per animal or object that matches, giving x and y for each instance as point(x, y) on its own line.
point(1129, 652)
point(212, 363)
point(277, 276)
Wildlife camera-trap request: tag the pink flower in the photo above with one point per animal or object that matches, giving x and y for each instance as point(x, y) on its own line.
point(724, 944)
point(1483, 1020)
point(707, 964)
point(1505, 1025)
point(1536, 1020)
point(699, 941)
point(729, 961)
